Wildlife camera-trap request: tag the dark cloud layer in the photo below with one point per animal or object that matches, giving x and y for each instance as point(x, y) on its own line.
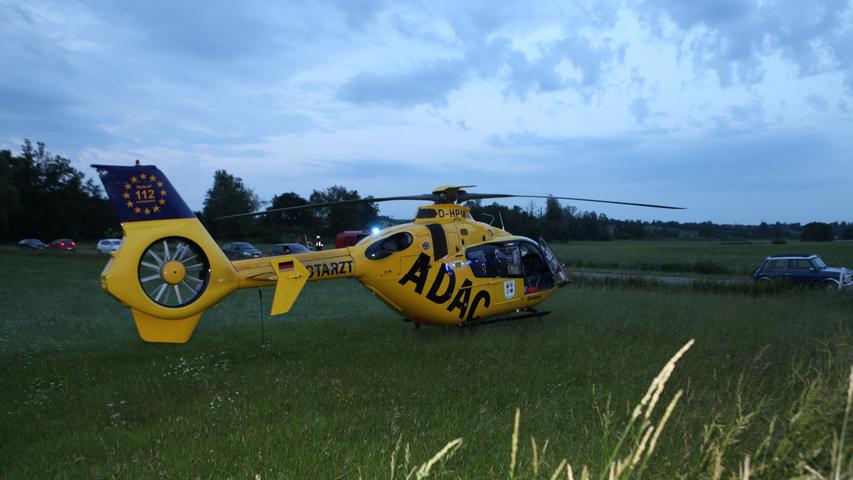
point(209, 84)
point(490, 58)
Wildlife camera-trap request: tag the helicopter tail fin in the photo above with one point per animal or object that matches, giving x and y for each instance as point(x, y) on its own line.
point(169, 269)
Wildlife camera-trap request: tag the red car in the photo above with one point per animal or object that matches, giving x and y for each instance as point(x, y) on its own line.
point(348, 238)
point(63, 244)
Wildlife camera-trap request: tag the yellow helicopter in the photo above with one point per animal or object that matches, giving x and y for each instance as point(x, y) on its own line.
point(444, 268)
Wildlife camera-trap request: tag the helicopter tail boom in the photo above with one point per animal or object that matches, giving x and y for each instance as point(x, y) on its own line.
point(320, 265)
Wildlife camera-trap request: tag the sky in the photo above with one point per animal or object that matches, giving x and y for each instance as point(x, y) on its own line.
point(741, 111)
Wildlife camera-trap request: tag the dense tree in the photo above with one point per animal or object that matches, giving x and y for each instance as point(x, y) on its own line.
point(628, 229)
point(331, 220)
point(49, 198)
point(9, 198)
point(555, 221)
point(846, 231)
point(515, 219)
point(290, 199)
point(285, 226)
point(229, 196)
point(818, 232)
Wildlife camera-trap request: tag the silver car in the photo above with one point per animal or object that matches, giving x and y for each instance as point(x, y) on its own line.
point(109, 245)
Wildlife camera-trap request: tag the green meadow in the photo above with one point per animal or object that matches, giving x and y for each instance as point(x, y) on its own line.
point(341, 388)
point(698, 256)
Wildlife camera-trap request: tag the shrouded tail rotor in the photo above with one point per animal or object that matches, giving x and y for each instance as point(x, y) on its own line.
point(174, 272)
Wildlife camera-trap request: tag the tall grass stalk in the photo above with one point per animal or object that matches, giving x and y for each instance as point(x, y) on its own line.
point(623, 467)
point(839, 456)
point(514, 451)
point(641, 432)
point(425, 469)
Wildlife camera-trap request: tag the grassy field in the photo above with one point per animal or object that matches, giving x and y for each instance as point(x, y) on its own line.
point(343, 388)
point(703, 257)
point(671, 256)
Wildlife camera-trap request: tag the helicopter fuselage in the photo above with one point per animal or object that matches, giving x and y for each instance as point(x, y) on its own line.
point(444, 268)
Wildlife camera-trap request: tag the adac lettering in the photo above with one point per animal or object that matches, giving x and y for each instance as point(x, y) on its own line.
point(443, 286)
point(330, 269)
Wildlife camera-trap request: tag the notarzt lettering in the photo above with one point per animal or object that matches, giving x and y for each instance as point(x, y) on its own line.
point(330, 269)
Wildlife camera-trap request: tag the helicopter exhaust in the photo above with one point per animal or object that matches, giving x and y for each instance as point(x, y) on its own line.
point(169, 269)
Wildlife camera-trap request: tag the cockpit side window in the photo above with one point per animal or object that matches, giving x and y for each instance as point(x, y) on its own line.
point(386, 246)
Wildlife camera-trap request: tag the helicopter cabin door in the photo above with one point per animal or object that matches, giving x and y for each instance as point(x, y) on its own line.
point(561, 276)
point(514, 268)
point(499, 264)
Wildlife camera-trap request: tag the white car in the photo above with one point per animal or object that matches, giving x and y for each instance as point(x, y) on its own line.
point(109, 245)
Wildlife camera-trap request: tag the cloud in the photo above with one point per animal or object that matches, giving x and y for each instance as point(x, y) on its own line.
point(488, 60)
point(818, 102)
point(751, 114)
point(430, 84)
point(640, 109)
point(732, 37)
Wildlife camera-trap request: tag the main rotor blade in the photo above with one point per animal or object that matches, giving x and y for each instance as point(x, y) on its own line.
point(428, 197)
point(432, 197)
point(464, 197)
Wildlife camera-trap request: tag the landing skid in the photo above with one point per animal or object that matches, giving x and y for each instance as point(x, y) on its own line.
point(529, 313)
point(521, 314)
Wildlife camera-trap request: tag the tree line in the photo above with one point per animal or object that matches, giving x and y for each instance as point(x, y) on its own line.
point(230, 196)
point(43, 196)
point(557, 222)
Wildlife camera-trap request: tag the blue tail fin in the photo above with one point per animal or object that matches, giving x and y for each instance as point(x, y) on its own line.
point(142, 193)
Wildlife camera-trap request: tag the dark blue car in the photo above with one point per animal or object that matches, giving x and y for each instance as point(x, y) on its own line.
point(807, 270)
point(240, 250)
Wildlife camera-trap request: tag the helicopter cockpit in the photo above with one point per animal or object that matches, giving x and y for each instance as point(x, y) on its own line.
point(512, 259)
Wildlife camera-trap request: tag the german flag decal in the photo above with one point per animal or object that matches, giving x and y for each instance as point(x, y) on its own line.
point(285, 266)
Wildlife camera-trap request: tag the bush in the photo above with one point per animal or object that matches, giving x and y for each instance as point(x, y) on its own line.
point(817, 232)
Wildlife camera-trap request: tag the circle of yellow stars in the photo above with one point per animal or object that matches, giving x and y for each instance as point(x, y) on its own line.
point(128, 185)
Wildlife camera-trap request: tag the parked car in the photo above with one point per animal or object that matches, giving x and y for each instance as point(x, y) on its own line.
point(32, 244)
point(803, 270)
point(63, 244)
point(348, 238)
point(288, 249)
point(240, 250)
point(108, 245)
